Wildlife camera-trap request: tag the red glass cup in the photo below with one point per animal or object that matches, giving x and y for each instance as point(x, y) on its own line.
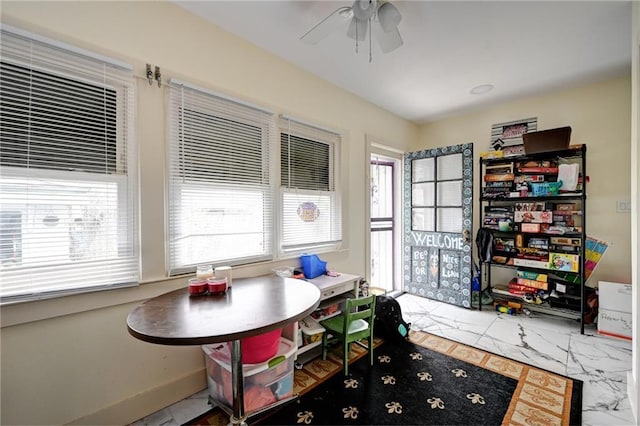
point(197, 287)
point(217, 285)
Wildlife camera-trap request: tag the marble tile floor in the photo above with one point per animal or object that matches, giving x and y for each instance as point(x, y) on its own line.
point(548, 342)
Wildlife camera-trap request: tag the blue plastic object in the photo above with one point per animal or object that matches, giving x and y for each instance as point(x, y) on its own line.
point(312, 265)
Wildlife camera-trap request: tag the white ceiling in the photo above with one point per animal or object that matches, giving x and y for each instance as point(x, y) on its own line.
point(521, 47)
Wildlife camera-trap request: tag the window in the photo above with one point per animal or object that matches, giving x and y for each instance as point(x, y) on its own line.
point(67, 170)
point(311, 217)
point(220, 191)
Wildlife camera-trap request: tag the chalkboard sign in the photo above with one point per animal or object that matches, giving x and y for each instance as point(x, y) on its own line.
point(450, 269)
point(424, 265)
point(436, 268)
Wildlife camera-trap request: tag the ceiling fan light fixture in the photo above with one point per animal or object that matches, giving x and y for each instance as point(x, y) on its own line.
point(481, 89)
point(377, 19)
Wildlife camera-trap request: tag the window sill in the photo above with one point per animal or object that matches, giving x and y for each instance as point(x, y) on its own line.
point(25, 312)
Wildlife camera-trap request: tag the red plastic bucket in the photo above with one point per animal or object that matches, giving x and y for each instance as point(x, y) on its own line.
point(260, 348)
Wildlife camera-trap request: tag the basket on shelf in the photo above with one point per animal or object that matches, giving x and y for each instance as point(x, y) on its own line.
point(545, 189)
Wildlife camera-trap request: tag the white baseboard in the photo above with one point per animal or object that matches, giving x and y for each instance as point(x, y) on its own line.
point(148, 402)
point(632, 393)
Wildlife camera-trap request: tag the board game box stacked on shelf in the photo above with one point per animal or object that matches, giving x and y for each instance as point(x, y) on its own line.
point(498, 180)
point(528, 282)
point(493, 215)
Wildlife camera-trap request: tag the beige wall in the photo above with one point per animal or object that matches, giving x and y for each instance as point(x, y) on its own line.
point(600, 117)
point(71, 359)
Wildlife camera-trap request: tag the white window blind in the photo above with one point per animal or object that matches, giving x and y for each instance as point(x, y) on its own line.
point(311, 212)
point(68, 187)
point(220, 197)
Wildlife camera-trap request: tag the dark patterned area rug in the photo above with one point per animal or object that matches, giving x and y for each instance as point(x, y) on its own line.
point(428, 381)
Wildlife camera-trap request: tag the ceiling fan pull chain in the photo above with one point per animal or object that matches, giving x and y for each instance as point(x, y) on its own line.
point(356, 36)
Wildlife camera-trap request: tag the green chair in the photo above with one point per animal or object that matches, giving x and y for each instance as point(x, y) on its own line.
point(354, 324)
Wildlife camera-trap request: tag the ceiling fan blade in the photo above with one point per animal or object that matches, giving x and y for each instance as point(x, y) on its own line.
point(389, 17)
point(358, 29)
point(388, 41)
point(327, 25)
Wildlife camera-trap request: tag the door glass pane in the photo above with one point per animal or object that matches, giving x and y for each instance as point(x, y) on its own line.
point(450, 167)
point(449, 220)
point(450, 194)
point(422, 170)
point(422, 194)
point(382, 258)
point(381, 190)
point(422, 219)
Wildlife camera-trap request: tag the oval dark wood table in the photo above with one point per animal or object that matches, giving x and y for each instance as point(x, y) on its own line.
point(250, 307)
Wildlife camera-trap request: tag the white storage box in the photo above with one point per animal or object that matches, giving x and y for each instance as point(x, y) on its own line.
point(311, 330)
point(264, 383)
point(614, 309)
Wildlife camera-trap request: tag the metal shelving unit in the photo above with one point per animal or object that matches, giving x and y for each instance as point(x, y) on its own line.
point(574, 154)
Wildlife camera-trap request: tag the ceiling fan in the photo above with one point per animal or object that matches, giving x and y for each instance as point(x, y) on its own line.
point(366, 16)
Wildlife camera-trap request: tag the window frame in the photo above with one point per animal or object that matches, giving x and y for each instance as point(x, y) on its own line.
point(305, 130)
point(26, 50)
point(222, 107)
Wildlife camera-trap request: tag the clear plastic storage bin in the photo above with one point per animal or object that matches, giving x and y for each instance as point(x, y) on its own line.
point(264, 383)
